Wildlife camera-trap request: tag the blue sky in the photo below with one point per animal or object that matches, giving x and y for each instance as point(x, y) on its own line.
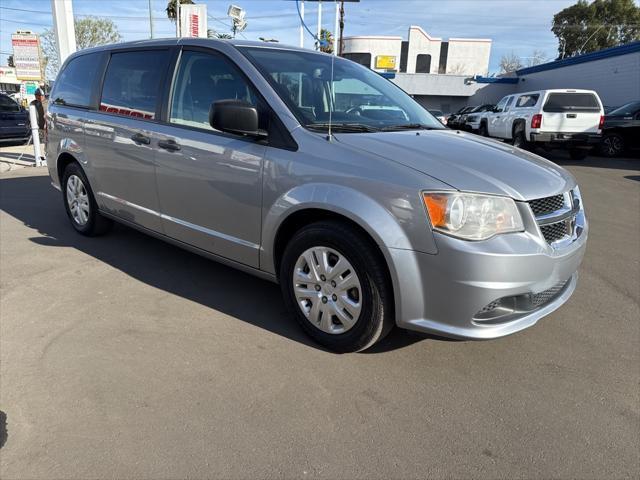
point(520, 26)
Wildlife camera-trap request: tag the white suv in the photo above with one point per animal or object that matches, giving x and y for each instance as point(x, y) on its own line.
point(551, 118)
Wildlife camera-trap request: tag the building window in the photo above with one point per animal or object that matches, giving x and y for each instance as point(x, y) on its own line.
point(361, 58)
point(423, 63)
point(444, 54)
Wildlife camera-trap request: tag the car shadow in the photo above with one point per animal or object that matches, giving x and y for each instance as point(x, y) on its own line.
point(561, 157)
point(34, 202)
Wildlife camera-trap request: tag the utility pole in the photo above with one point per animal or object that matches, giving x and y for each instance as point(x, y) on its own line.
point(319, 36)
point(301, 25)
point(64, 27)
point(341, 28)
point(335, 29)
point(150, 19)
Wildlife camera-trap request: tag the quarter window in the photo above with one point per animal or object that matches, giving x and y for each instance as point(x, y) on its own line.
point(132, 83)
point(202, 80)
point(75, 83)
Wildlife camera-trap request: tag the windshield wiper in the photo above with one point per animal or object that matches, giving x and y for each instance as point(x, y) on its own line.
point(408, 126)
point(343, 127)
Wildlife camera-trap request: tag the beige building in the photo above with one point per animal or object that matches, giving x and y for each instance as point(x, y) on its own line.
point(420, 53)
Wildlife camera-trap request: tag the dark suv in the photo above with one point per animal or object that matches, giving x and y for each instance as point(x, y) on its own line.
point(621, 130)
point(14, 120)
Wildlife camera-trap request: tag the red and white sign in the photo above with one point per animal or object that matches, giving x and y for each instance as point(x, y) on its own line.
point(193, 20)
point(26, 56)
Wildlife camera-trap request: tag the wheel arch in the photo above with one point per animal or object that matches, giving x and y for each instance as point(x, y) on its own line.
point(63, 161)
point(517, 123)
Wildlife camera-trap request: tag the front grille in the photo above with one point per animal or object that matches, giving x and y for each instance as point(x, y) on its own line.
point(539, 299)
point(554, 231)
point(490, 307)
point(545, 206)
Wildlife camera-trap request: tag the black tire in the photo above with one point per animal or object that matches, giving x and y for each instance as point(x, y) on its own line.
point(519, 139)
point(95, 224)
point(612, 145)
point(482, 131)
point(376, 317)
point(578, 153)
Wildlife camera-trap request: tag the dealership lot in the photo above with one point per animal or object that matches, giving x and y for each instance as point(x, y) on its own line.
point(126, 357)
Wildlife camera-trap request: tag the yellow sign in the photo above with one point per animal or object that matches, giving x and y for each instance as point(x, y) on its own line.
point(386, 62)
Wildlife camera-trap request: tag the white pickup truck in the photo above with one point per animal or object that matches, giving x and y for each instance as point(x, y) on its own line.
point(570, 119)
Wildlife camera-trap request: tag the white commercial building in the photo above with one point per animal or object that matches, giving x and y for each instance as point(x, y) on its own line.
point(420, 53)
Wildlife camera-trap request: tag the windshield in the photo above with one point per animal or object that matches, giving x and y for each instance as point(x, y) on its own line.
point(626, 110)
point(357, 100)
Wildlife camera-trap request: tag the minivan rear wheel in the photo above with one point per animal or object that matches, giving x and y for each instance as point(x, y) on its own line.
point(334, 282)
point(80, 203)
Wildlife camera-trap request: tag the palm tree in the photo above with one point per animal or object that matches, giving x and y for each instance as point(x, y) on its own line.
point(326, 37)
point(172, 8)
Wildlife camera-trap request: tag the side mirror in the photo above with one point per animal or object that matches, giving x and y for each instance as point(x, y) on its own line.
point(235, 116)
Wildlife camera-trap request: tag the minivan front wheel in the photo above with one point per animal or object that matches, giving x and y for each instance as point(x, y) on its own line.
point(80, 204)
point(334, 282)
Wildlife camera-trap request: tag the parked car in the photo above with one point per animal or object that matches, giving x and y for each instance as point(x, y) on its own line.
point(454, 120)
point(621, 130)
point(14, 120)
point(570, 119)
point(439, 115)
point(234, 151)
point(471, 121)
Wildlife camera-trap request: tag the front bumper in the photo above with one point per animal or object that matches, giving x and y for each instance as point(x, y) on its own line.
point(444, 293)
point(568, 139)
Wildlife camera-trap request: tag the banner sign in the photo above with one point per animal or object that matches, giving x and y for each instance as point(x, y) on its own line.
point(26, 56)
point(193, 20)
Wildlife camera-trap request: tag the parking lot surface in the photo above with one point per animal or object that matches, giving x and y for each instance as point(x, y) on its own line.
point(126, 357)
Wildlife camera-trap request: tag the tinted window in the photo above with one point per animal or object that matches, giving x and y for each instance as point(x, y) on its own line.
point(527, 100)
point(626, 110)
point(423, 64)
point(203, 79)
point(74, 84)
point(567, 102)
point(501, 104)
point(361, 58)
point(132, 83)
point(8, 105)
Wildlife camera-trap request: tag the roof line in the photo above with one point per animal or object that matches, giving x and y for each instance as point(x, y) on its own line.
point(587, 57)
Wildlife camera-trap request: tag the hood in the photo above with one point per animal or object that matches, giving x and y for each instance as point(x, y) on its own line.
point(467, 162)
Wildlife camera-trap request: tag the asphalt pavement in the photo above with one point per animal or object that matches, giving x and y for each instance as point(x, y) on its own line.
point(125, 357)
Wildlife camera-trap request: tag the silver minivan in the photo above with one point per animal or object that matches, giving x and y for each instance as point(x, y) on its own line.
point(317, 173)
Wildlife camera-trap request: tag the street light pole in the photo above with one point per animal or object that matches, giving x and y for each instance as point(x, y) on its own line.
point(319, 36)
point(150, 19)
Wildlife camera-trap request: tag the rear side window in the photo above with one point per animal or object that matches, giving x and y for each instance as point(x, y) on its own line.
point(569, 102)
point(527, 101)
point(74, 84)
point(132, 83)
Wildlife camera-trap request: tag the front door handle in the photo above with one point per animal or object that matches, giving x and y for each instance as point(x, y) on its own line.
point(140, 138)
point(169, 145)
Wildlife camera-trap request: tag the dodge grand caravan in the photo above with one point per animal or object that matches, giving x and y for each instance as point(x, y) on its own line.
point(319, 174)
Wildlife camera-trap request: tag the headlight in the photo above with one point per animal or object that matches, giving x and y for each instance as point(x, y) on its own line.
point(472, 216)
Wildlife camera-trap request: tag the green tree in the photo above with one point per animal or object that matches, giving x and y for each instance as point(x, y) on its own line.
point(172, 8)
point(90, 32)
point(588, 27)
point(326, 36)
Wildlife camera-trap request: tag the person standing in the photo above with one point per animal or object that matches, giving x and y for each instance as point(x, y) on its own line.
point(40, 115)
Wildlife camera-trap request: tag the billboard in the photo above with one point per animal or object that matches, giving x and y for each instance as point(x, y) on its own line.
point(26, 56)
point(193, 20)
